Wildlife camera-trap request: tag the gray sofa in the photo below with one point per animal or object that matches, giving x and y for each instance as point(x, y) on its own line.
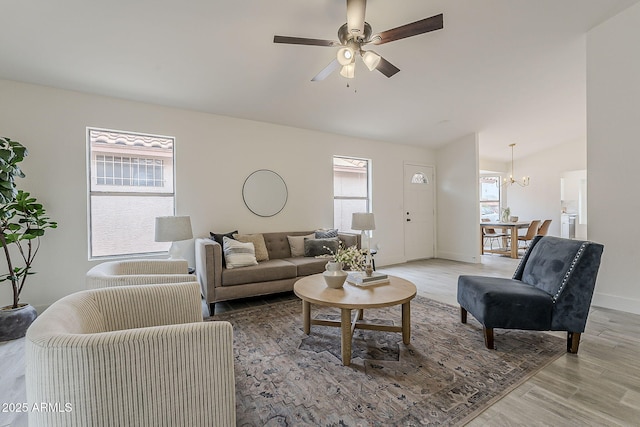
point(277, 274)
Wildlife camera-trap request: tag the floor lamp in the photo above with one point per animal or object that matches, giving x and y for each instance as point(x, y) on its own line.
point(364, 221)
point(173, 229)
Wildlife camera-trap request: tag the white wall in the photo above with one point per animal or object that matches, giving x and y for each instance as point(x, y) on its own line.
point(613, 130)
point(458, 228)
point(214, 155)
point(491, 165)
point(541, 199)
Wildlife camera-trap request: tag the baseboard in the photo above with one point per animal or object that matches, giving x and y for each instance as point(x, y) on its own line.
point(456, 256)
point(387, 261)
point(614, 302)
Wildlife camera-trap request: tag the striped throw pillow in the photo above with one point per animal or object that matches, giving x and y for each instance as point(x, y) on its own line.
point(238, 254)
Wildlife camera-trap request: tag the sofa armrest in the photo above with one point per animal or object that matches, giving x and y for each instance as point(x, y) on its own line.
point(106, 281)
point(350, 239)
point(161, 376)
point(208, 266)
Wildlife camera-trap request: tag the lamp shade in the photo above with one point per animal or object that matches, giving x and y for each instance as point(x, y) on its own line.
point(348, 71)
point(362, 221)
point(345, 56)
point(371, 59)
point(173, 228)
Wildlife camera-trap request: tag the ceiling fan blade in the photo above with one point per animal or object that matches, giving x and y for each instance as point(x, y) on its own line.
point(355, 16)
point(333, 65)
point(413, 29)
point(305, 41)
point(387, 68)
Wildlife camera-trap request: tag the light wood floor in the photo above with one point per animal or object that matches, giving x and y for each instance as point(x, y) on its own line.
point(600, 386)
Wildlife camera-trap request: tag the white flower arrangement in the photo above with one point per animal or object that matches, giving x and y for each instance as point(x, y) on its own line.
point(350, 257)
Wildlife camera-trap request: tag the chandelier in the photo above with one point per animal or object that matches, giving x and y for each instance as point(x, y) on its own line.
point(508, 181)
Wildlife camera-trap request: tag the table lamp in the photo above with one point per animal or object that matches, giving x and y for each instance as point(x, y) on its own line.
point(173, 229)
point(364, 221)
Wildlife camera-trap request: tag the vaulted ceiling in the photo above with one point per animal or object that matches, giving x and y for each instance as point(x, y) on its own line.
point(512, 70)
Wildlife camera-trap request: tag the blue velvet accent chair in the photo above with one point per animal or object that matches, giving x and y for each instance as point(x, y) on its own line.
point(551, 290)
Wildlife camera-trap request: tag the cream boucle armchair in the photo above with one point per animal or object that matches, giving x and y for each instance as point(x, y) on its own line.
point(138, 272)
point(130, 356)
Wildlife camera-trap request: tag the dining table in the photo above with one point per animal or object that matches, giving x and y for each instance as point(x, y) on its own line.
point(512, 238)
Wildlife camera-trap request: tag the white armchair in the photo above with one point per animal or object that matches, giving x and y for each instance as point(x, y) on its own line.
point(138, 272)
point(130, 356)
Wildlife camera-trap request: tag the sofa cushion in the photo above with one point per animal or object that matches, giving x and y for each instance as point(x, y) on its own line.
point(296, 243)
point(308, 265)
point(505, 303)
point(238, 254)
point(258, 244)
point(274, 269)
point(317, 247)
point(278, 244)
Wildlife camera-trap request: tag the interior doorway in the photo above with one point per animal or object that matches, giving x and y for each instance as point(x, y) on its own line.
point(419, 212)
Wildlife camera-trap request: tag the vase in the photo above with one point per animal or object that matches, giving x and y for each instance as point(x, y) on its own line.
point(14, 322)
point(334, 276)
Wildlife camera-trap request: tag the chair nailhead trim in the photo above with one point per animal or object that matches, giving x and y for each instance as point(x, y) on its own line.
point(565, 279)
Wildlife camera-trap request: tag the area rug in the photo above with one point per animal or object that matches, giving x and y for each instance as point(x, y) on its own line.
point(446, 376)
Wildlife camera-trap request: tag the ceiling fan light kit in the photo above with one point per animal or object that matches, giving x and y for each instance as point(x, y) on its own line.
point(371, 59)
point(345, 56)
point(356, 34)
point(348, 71)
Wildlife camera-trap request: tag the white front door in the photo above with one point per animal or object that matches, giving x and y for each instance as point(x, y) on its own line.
point(419, 212)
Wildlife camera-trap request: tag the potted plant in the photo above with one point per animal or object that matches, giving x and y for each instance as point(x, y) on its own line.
point(22, 222)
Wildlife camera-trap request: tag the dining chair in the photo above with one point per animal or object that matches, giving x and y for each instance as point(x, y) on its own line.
point(544, 228)
point(530, 234)
point(491, 234)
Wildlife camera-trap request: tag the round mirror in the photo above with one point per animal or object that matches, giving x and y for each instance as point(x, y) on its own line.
point(264, 192)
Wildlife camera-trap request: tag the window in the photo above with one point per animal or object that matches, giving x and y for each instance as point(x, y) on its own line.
point(350, 190)
point(419, 178)
point(130, 183)
point(490, 198)
point(129, 171)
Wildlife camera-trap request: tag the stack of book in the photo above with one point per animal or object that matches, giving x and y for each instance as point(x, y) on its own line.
point(361, 279)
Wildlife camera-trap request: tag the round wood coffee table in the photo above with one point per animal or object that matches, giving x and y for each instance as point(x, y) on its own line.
point(313, 290)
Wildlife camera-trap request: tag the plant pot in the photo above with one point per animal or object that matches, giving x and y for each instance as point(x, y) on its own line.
point(334, 276)
point(14, 322)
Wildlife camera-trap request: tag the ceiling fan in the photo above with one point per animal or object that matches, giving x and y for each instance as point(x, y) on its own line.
point(356, 34)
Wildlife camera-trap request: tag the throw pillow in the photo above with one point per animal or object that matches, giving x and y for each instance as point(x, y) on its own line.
point(326, 233)
point(319, 247)
point(296, 243)
point(258, 243)
point(218, 238)
point(238, 254)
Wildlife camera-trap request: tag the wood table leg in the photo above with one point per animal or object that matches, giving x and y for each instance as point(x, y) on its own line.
point(514, 242)
point(345, 326)
point(406, 322)
point(306, 317)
